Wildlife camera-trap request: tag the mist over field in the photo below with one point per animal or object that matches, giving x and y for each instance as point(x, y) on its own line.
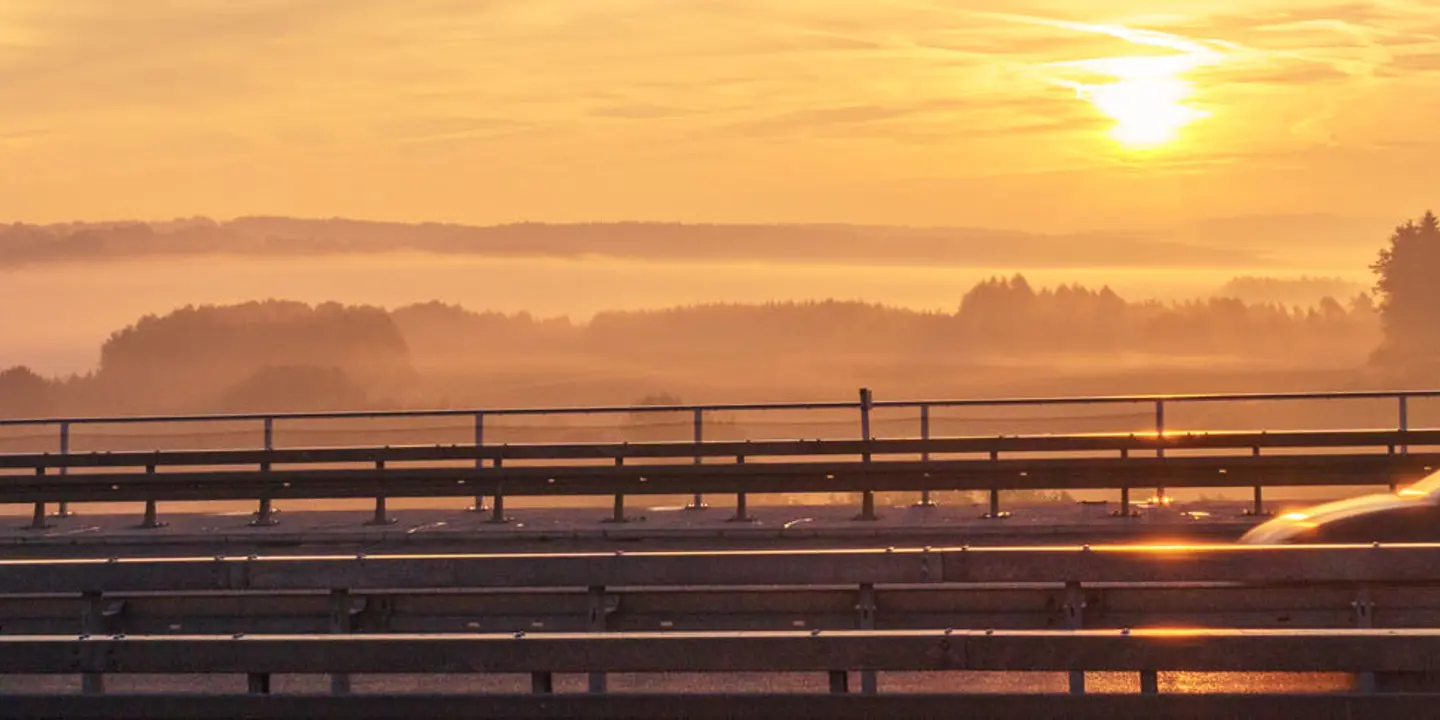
point(69, 286)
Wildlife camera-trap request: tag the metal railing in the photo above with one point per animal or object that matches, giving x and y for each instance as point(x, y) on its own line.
point(697, 414)
point(1069, 587)
point(1147, 653)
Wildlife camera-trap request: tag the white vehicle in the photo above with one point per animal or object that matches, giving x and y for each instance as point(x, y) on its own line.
point(1411, 514)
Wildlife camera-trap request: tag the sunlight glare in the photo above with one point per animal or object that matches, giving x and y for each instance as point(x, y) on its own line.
point(1149, 98)
point(1147, 112)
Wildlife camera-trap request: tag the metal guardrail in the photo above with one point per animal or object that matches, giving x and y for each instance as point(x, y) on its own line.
point(900, 566)
point(1065, 586)
point(479, 453)
point(1370, 653)
point(710, 706)
point(1202, 650)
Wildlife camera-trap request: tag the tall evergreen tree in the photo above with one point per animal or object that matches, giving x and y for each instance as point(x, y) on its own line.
point(1408, 283)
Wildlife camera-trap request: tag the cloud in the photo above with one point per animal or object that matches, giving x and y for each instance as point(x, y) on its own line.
point(1422, 62)
point(639, 111)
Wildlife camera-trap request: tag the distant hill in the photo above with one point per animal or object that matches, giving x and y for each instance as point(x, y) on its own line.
point(22, 244)
point(1302, 291)
point(1332, 240)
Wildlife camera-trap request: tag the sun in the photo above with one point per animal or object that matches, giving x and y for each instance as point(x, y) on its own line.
point(1148, 96)
point(1148, 112)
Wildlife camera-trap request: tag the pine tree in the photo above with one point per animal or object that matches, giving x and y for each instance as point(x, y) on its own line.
point(1408, 285)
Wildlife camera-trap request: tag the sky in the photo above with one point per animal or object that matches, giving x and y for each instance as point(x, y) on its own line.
point(1047, 115)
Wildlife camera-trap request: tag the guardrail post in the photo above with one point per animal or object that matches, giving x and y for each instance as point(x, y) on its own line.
point(619, 514)
point(1149, 682)
point(1124, 510)
point(497, 515)
point(339, 625)
point(925, 501)
point(839, 681)
point(151, 521)
point(995, 513)
point(62, 509)
point(381, 517)
point(93, 623)
point(741, 510)
point(37, 521)
point(597, 623)
point(1160, 451)
point(1075, 620)
point(1364, 610)
point(258, 683)
point(265, 515)
point(542, 683)
point(1404, 422)
point(698, 502)
point(479, 505)
point(869, 683)
point(867, 498)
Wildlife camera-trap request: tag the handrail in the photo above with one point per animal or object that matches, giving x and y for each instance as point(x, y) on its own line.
point(1094, 442)
point(735, 407)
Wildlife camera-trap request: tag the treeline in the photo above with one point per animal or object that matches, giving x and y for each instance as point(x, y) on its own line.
point(292, 356)
point(238, 358)
point(22, 244)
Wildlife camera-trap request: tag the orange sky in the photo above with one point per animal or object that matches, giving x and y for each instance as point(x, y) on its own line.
point(1048, 115)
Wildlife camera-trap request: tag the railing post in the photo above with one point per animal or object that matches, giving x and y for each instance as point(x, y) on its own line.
point(1124, 510)
point(339, 625)
point(479, 505)
point(867, 498)
point(869, 683)
point(381, 517)
point(597, 623)
point(37, 520)
point(151, 520)
point(1149, 682)
point(698, 502)
point(265, 515)
point(542, 683)
point(258, 683)
point(93, 623)
point(1364, 610)
point(1160, 439)
point(619, 513)
point(741, 510)
point(839, 682)
point(1404, 423)
point(925, 501)
point(497, 514)
point(995, 513)
point(1075, 620)
point(62, 509)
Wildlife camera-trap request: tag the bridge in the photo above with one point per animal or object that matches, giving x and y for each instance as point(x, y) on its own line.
point(900, 629)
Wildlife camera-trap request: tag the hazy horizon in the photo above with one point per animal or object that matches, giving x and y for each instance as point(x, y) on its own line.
point(566, 159)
